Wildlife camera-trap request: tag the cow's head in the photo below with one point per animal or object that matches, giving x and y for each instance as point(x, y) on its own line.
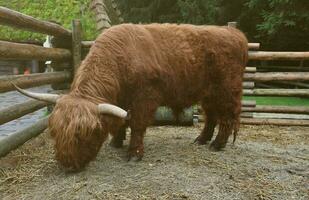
point(78, 127)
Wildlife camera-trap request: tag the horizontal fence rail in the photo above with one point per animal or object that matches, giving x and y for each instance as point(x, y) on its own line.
point(247, 119)
point(278, 109)
point(18, 110)
point(87, 44)
point(248, 85)
point(248, 103)
point(250, 69)
point(279, 122)
point(272, 55)
point(17, 51)
point(253, 46)
point(33, 80)
point(18, 138)
point(277, 92)
point(16, 19)
point(277, 76)
point(260, 115)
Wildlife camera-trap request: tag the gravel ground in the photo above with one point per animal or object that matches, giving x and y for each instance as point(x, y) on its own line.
point(266, 162)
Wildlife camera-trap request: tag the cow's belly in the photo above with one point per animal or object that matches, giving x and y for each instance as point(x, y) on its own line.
point(183, 98)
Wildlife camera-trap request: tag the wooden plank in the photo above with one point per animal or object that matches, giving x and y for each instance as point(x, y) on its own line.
point(232, 24)
point(248, 85)
point(256, 121)
point(16, 51)
point(87, 44)
point(278, 109)
point(76, 44)
point(253, 46)
point(18, 138)
point(18, 110)
point(277, 76)
point(32, 80)
point(248, 103)
point(280, 116)
point(246, 115)
point(279, 122)
point(272, 55)
point(22, 21)
point(247, 92)
point(250, 69)
point(278, 92)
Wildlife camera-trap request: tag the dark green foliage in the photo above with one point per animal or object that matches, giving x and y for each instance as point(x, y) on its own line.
point(62, 11)
point(277, 24)
point(282, 24)
point(172, 11)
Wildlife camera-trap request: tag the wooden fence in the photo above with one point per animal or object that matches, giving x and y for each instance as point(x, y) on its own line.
point(66, 56)
point(69, 56)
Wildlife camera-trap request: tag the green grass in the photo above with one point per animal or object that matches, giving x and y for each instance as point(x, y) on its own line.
point(62, 11)
point(282, 101)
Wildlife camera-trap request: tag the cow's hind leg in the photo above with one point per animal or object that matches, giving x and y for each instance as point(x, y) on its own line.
point(209, 127)
point(225, 130)
point(228, 112)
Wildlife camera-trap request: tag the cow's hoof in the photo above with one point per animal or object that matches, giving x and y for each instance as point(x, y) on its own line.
point(200, 140)
point(116, 143)
point(135, 155)
point(215, 146)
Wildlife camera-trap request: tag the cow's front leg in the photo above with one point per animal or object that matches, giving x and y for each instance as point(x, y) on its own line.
point(142, 114)
point(118, 138)
point(136, 147)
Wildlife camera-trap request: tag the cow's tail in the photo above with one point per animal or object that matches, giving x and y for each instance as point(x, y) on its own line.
point(235, 131)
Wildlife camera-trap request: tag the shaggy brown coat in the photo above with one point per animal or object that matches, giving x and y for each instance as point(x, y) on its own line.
point(140, 67)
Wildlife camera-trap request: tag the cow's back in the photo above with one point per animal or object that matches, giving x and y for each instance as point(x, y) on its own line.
point(177, 60)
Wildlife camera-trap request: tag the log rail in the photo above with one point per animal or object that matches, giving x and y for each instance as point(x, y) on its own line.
point(18, 20)
point(32, 80)
point(19, 51)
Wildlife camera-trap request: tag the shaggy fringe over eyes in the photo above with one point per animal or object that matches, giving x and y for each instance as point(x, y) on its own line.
point(77, 130)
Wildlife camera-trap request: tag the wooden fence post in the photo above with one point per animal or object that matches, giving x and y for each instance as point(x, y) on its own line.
point(62, 42)
point(76, 44)
point(232, 24)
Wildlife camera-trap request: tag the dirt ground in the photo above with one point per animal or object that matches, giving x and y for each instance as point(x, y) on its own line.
point(266, 162)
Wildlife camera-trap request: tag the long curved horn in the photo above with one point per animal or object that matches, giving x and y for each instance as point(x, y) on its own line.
point(105, 108)
point(52, 98)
